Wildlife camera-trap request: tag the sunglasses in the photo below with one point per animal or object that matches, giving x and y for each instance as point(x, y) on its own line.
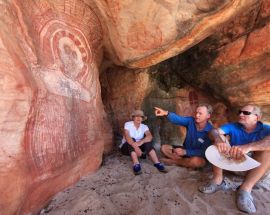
point(245, 112)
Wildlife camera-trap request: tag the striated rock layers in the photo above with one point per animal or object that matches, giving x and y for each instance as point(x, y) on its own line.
point(53, 124)
point(144, 33)
point(53, 127)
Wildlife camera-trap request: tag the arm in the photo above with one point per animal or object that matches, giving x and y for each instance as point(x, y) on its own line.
point(161, 112)
point(132, 143)
point(129, 140)
point(172, 117)
point(223, 144)
point(220, 140)
point(217, 136)
point(148, 137)
point(261, 145)
point(189, 152)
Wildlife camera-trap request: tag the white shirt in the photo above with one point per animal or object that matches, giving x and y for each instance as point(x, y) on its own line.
point(135, 133)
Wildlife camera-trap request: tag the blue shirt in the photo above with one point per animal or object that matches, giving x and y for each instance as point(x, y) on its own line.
point(238, 135)
point(196, 142)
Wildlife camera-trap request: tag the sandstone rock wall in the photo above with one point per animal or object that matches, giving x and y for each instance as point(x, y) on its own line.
point(53, 125)
point(126, 90)
point(144, 33)
point(233, 64)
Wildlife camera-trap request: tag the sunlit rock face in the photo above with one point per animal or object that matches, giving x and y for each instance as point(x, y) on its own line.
point(144, 33)
point(53, 125)
point(242, 70)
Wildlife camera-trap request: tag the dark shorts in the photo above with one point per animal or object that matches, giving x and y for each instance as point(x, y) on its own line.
point(177, 146)
point(126, 149)
point(182, 147)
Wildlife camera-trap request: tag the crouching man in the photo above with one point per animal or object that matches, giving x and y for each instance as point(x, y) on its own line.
point(249, 134)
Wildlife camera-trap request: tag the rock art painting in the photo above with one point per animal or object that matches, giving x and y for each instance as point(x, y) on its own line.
point(63, 120)
point(54, 51)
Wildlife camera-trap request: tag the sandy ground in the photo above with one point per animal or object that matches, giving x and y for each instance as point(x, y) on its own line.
point(114, 190)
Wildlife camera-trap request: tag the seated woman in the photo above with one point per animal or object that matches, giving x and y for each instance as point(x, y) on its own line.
point(137, 140)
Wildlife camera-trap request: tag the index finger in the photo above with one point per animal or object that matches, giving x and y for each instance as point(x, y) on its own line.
point(158, 111)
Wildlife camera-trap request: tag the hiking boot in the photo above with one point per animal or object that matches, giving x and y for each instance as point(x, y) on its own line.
point(211, 187)
point(245, 201)
point(160, 167)
point(137, 169)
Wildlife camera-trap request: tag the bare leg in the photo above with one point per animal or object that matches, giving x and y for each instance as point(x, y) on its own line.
point(153, 156)
point(173, 158)
point(134, 158)
point(167, 151)
point(168, 161)
point(193, 162)
point(254, 175)
point(218, 175)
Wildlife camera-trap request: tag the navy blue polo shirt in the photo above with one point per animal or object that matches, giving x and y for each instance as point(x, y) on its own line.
point(196, 142)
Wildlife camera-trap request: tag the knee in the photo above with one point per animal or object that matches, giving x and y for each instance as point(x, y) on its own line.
point(164, 148)
point(197, 162)
point(149, 148)
point(263, 157)
point(135, 154)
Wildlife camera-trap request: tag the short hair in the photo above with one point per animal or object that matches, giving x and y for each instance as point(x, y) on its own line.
point(256, 110)
point(208, 107)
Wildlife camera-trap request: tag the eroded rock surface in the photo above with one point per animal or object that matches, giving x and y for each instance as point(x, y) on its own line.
point(232, 65)
point(126, 90)
point(53, 125)
point(144, 33)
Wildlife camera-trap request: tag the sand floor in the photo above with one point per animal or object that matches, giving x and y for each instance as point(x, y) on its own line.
point(114, 190)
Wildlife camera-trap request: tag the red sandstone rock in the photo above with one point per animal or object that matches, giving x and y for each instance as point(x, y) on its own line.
point(141, 34)
point(240, 71)
point(53, 125)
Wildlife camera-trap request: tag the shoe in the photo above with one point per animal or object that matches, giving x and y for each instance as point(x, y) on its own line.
point(211, 187)
point(160, 167)
point(245, 202)
point(137, 169)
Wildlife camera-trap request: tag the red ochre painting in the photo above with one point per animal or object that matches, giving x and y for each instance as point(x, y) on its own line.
point(63, 125)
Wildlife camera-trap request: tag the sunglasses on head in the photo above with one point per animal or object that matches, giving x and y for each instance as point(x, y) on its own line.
point(245, 112)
